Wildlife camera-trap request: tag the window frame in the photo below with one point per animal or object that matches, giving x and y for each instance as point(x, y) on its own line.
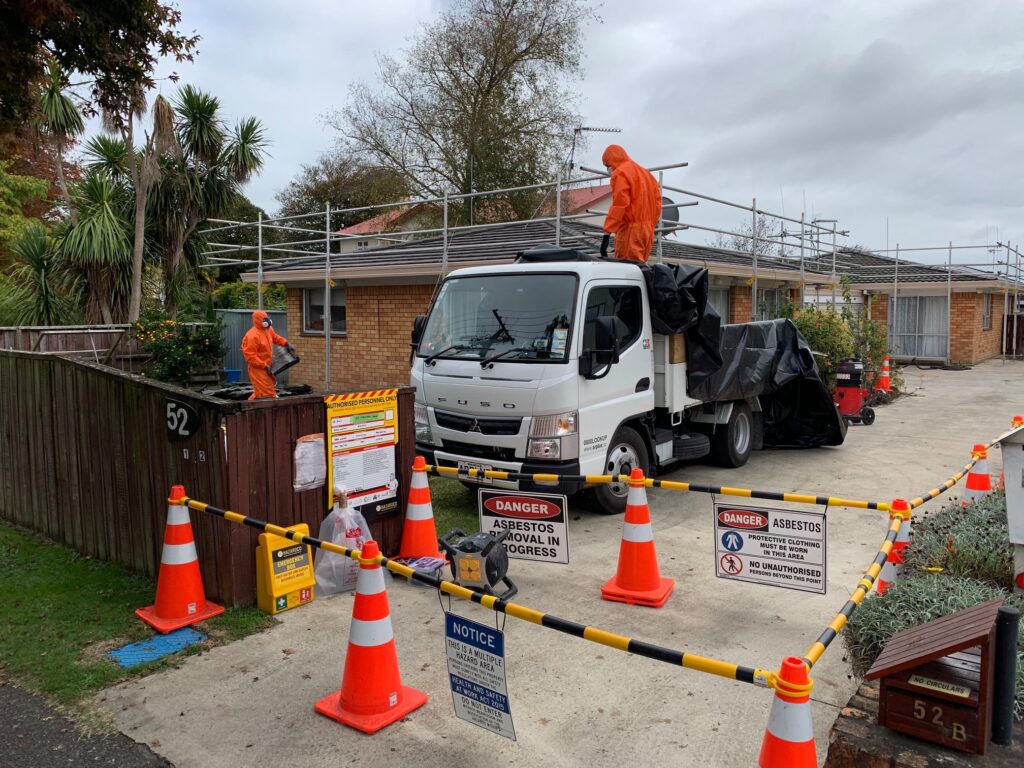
point(986, 311)
point(306, 293)
point(628, 287)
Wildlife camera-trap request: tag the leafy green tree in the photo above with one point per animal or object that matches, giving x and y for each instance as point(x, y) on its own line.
point(61, 122)
point(114, 43)
point(41, 290)
point(245, 296)
point(16, 193)
point(343, 180)
point(479, 101)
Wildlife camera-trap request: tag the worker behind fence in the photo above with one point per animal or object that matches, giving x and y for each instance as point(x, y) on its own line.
point(258, 350)
point(636, 206)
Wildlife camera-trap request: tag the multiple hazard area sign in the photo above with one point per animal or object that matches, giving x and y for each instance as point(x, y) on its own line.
point(476, 670)
point(362, 430)
point(777, 547)
point(536, 523)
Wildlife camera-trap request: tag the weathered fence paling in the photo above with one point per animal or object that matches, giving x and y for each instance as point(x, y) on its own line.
point(85, 459)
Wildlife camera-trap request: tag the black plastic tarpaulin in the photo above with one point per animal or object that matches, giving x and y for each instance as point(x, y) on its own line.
point(679, 304)
point(772, 361)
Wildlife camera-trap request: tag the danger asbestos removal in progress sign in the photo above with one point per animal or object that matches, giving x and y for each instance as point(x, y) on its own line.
point(777, 547)
point(536, 523)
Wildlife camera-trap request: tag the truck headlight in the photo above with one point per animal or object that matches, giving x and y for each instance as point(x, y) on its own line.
point(423, 432)
point(544, 448)
point(554, 426)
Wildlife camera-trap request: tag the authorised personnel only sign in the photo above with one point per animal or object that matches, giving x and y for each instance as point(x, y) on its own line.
point(777, 547)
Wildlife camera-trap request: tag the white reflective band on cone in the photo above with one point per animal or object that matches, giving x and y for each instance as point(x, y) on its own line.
point(179, 554)
point(370, 581)
point(889, 572)
point(904, 536)
point(419, 480)
point(790, 722)
point(636, 497)
point(177, 515)
point(637, 532)
point(419, 512)
point(370, 633)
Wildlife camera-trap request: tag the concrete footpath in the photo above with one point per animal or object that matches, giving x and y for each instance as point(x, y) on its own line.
point(575, 703)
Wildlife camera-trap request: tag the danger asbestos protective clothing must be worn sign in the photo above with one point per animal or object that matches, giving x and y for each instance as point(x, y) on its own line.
point(777, 547)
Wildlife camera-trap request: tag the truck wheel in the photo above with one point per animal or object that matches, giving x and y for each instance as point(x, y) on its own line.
point(627, 452)
point(732, 442)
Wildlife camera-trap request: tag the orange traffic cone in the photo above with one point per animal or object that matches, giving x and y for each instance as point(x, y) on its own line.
point(419, 536)
point(979, 482)
point(789, 738)
point(637, 580)
point(180, 599)
point(883, 383)
point(893, 567)
point(372, 695)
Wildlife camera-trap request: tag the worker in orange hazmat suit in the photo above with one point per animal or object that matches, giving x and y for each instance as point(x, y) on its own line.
point(636, 205)
point(258, 351)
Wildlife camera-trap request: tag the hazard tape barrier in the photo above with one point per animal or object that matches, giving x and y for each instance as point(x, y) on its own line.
point(759, 677)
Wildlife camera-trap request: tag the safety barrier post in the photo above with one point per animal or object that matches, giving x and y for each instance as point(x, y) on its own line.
point(893, 567)
point(789, 736)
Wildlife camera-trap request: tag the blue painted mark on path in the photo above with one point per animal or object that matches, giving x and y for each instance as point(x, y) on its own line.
point(156, 647)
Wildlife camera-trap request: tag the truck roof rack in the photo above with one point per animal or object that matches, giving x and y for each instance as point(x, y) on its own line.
point(545, 253)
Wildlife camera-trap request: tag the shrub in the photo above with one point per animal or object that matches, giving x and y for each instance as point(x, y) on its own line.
point(179, 349)
point(244, 296)
point(827, 333)
point(971, 541)
point(914, 599)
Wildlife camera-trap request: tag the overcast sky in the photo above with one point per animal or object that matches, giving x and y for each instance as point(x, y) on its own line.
point(854, 110)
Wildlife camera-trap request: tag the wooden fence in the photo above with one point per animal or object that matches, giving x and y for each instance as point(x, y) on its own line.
point(85, 459)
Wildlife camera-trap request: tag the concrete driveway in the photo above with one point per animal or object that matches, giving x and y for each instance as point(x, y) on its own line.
point(575, 703)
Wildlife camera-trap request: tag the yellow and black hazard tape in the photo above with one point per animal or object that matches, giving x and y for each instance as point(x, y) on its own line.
point(759, 677)
point(862, 588)
point(672, 485)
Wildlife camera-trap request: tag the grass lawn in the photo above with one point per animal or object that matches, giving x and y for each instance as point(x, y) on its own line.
point(454, 506)
point(61, 612)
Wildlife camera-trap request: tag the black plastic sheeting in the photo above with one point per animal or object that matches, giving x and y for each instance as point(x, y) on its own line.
point(769, 360)
point(772, 361)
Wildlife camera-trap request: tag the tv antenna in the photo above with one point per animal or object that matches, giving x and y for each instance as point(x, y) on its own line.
point(578, 132)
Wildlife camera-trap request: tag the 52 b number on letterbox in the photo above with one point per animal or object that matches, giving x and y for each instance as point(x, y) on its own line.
point(939, 721)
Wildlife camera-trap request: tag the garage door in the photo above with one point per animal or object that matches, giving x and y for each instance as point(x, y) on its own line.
point(920, 328)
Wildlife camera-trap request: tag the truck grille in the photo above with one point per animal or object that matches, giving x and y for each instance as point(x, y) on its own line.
point(482, 425)
point(479, 451)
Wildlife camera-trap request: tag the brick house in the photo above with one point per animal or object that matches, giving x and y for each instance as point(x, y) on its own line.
point(377, 293)
point(955, 316)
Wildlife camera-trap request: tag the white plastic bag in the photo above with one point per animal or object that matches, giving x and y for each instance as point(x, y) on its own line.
point(346, 527)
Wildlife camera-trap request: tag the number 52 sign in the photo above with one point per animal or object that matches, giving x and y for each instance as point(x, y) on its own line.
point(182, 420)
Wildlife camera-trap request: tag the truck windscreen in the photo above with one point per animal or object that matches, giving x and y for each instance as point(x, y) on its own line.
point(515, 317)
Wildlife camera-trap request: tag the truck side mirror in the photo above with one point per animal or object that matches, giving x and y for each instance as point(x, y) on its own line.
point(417, 329)
point(602, 353)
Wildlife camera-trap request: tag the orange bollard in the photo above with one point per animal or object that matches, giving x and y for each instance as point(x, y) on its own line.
point(893, 567)
point(419, 534)
point(638, 580)
point(979, 482)
point(789, 738)
point(372, 695)
point(180, 599)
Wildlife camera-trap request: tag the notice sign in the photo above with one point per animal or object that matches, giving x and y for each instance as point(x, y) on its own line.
point(777, 547)
point(536, 523)
point(362, 430)
point(476, 669)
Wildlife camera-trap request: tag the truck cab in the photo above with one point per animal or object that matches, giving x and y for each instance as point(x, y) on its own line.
point(552, 367)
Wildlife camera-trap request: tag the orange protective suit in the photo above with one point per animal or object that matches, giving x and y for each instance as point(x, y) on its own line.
point(258, 351)
point(636, 205)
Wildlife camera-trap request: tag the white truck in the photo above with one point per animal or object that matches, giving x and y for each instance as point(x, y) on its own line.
point(553, 367)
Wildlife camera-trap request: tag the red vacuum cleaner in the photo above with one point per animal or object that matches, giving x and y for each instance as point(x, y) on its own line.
point(850, 393)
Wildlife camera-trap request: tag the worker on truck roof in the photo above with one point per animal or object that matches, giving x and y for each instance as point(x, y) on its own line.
point(636, 205)
point(258, 351)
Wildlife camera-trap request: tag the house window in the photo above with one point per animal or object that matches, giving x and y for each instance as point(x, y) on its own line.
point(986, 312)
point(362, 244)
point(313, 311)
point(719, 299)
point(771, 302)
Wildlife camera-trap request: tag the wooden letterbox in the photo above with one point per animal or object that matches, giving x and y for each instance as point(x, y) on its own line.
point(937, 679)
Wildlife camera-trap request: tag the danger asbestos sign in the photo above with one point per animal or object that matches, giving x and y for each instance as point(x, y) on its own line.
point(776, 547)
point(536, 523)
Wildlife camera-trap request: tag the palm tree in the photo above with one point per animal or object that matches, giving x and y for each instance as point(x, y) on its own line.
point(62, 121)
point(100, 245)
point(42, 292)
point(199, 180)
